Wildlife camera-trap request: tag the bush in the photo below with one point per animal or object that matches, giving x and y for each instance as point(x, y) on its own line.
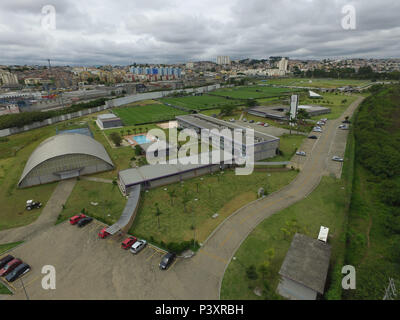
point(251, 272)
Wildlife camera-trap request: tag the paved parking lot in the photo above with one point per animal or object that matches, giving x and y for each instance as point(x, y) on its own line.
point(88, 267)
point(275, 131)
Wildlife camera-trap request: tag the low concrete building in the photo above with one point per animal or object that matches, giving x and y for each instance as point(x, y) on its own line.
point(304, 270)
point(265, 145)
point(108, 121)
point(279, 112)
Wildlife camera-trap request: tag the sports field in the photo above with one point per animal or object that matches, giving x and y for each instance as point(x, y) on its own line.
point(253, 92)
point(201, 102)
point(132, 115)
point(316, 83)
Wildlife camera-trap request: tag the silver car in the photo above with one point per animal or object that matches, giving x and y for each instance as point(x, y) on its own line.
point(300, 153)
point(138, 246)
point(336, 158)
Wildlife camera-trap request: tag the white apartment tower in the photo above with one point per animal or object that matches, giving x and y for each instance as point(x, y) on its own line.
point(283, 65)
point(223, 60)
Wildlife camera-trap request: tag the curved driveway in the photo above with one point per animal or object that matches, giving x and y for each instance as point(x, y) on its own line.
point(202, 275)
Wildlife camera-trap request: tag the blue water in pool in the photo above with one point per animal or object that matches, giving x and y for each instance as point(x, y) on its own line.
point(141, 139)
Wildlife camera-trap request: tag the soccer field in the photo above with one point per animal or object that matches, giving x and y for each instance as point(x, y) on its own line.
point(146, 114)
point(201, 102)
point(254, 92)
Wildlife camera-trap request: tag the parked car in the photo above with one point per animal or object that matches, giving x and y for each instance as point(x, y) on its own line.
point(128, 242)
point(167, 260)
point(312, 137)
point(83, 222)
point(75, 219)
point(30, 204)
point(320, 123)
point(301, 153)
point(251, 121)
point(5, 260)
point(344, 127)
point(138, 246)
point(17, 272)
point(244, 120)
point(316, 129)
point(266, 124)
point(336, 158)
point(346, 121)
point(103, 233)
point(232, 120)
point(10, 266)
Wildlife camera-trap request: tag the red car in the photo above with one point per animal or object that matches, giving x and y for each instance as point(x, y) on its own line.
point(103, 233)
point(10, 267)
point(128, 242)
point(75, 219)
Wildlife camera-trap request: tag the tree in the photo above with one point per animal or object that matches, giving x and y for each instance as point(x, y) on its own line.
point(116, 138)
point(185, 199)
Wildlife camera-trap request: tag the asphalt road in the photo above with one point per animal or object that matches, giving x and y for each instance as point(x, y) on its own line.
point(92, 268)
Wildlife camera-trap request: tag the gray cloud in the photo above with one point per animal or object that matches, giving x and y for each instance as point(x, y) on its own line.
point(119, 32)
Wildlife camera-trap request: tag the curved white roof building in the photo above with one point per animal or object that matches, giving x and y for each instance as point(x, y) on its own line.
point(64, 156)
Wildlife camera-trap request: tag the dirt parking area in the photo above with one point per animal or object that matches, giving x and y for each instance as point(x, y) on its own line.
point(88, 267)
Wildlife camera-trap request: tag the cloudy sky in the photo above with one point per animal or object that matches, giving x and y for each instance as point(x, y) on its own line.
point(92, 32)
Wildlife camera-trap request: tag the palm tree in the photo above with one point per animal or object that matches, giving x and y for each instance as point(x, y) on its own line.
point(172, 195)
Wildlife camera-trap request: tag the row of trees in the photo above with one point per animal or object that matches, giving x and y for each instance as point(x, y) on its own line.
point(25, 118)
point(348, 73)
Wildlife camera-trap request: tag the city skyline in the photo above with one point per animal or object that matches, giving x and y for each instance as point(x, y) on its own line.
point(89, 33)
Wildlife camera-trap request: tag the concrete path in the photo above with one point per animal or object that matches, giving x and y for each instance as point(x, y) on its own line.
point(47, 218)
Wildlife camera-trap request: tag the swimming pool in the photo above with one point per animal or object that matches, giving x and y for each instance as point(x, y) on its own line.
point(141, 139)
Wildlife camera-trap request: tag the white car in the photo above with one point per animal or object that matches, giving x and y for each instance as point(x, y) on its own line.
point(344, 127)
point(266, 124)
point(320, 123)
point(317, 129)
point(336, 158)
point(301, 153)
point(232, 120)
point(138, 246)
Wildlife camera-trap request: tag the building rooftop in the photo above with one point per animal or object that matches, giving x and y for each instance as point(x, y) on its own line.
point(307, 262)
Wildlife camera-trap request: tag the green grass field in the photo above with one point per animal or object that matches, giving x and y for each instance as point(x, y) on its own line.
point(146, 114)
point(316, 83)
point(325, 206)
point(201, 102)
point(110, 202)
point(217, 193)
point(253, 92)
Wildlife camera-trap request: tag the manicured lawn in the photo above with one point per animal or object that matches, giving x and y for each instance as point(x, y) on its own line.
point(218, 193)
point(110, 202)
point(325, 206)
point(288, 144)
point(200, 102)
point(132, 115)
point(252, 92)
point(338, 103)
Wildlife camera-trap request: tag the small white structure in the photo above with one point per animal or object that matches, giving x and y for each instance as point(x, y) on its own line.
point(108, 120)
point(314, 95)
point(323, 234)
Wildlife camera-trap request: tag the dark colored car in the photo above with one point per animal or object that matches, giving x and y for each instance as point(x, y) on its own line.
point(17, 272)
point(312, 137)
point(167, 260)
point(10, 267)
point(5, 260)
point(84, 221)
